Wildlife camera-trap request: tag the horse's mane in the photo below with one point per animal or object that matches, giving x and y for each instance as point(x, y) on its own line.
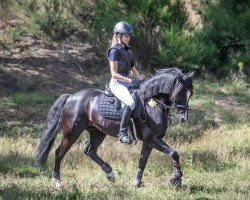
point(162, 82)
point(174, 71)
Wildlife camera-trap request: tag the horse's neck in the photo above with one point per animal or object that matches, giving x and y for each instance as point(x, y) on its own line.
point(164, 99)
point(162, 104)
point(159, 84)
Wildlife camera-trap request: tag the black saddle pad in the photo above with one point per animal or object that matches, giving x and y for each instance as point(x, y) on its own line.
point(111, 107)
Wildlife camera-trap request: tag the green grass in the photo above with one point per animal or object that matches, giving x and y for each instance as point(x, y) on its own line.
point(24, 114)
point(214, 148)
point(30, 98)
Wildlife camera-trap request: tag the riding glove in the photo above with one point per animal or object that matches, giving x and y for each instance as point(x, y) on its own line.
point(136, 83)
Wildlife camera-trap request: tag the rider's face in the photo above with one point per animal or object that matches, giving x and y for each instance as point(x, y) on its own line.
point(125, 38)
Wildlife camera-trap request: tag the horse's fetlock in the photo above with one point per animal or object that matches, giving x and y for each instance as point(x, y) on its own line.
point(139, 174)
point(86, 151)
point(91, 153)
point(106, 167)
point(174, 155)
point(56, 175)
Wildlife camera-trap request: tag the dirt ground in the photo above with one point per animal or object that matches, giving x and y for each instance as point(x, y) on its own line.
point(35, 64)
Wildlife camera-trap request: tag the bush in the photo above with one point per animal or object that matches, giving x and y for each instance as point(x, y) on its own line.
point(228, 26)
point(51, 16)
point(189, 52)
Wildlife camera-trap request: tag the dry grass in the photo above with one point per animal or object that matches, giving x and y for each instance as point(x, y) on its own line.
point(215, 166)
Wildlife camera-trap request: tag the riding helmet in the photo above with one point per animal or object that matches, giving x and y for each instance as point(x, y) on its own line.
point(123, 28)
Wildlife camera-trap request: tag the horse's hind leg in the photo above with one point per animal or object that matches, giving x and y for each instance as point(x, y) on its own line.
point(69, 138)
point(163, 147)
point(96, 138)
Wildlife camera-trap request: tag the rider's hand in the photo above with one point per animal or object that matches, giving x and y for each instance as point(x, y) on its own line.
point(136, 83)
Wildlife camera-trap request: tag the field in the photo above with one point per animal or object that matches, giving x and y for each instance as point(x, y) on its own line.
point(214, 145)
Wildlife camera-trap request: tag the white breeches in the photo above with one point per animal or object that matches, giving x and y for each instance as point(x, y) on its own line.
point(120, 90)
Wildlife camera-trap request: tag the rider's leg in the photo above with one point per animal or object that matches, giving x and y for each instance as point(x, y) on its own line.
point(122, 93)
point(123, 135)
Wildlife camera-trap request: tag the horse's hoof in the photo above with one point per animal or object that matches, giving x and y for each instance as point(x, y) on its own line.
point(176, 182)
point(138, 183)
point(57, 183)
point(111, 176)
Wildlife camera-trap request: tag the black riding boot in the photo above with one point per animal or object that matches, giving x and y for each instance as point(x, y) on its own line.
point(123, 136)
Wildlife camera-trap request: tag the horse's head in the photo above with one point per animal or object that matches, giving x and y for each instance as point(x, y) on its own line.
point(181, 95)
point(173, 82)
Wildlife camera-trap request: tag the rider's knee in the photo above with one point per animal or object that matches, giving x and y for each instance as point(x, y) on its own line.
point(132, 105)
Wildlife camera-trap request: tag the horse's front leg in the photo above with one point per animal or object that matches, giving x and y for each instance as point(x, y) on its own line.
point(163, 147)
point(145, 152)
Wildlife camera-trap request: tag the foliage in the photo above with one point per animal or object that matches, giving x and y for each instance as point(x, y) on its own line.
point(30, 98)
point(185, 51)
point(227, 25)
point(163, 37)
point(51, 17)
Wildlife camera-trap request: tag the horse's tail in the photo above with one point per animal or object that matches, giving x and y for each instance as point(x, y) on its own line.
point(52, 127)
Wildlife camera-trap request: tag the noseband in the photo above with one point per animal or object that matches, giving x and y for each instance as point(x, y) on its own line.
point(177, 88)
point(168, 108)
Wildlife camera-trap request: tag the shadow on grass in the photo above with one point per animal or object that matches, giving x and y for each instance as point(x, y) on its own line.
point(195, 188)
point(18, 165)
point(21, 128)
point(15, 192)
point(231, 117)
point(242, 96)
point(198, 123)
point(208, 161)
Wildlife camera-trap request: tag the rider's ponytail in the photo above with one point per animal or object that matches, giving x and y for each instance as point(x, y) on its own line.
point(114, 40)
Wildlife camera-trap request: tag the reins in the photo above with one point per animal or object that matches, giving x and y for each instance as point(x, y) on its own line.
point(167, 110)
point(177, 87)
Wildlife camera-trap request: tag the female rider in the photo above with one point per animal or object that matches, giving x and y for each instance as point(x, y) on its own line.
point(121, 63)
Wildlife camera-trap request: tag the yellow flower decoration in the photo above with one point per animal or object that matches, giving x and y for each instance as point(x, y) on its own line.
point(152, 103)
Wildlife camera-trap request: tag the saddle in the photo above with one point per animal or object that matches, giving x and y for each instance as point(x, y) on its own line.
point(109, 106)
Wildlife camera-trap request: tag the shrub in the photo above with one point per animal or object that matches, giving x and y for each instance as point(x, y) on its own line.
point(190, 52)
point(51, 17)
point(227, 24)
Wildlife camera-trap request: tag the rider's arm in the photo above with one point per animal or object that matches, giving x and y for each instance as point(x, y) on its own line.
point(136, 74)
point(115, 74)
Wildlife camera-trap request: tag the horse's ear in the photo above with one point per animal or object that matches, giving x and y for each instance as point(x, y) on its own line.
point(192, 74)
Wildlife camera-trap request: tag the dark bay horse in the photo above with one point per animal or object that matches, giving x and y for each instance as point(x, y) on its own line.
point(78, 112)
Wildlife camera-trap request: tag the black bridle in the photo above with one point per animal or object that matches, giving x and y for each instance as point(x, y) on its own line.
point(174, 105)
point(178, 87)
